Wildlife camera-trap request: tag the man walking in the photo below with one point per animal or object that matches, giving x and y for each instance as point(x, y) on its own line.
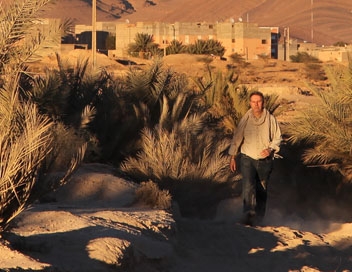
point(256, 139)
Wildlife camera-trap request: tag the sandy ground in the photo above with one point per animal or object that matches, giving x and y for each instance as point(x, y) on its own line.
point(92, 224)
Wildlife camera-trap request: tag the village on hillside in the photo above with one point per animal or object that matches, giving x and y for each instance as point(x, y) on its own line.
point(246, 39)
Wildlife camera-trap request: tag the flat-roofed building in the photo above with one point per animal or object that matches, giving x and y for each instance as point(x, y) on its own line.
point(244, 38)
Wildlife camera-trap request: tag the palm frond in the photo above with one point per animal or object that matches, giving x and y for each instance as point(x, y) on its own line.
point(87, 116)
point(18, 39)
point(327, 125)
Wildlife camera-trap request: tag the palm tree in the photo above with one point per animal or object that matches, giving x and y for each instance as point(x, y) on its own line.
point(177, 148)
point(25, 135)
point(143, 44)
point(326, 127)
point(175, 47)
point(206, 47)
point(226, 100)
point(175, 141)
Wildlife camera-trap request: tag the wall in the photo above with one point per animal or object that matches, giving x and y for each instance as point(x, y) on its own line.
point(244, 38)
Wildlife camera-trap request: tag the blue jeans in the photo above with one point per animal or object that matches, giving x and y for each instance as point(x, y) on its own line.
point(255, 176)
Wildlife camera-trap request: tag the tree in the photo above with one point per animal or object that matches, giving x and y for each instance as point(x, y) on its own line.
point(175, 47)
point(326, 127)
point(26, 135)
point(206, 47)
point(226, 100)
point(143, 44)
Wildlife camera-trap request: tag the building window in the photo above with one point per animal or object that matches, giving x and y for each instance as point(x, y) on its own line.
point(263, 41)
point(210, 26)
point(233, 40)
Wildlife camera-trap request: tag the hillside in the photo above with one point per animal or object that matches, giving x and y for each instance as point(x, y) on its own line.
point(331, 19)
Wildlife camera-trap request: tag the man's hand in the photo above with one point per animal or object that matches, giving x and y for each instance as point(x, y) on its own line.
point(266, 152)
point(233, 166)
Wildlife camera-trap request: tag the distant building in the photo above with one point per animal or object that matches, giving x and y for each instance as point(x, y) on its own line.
point(86, 39)
point(50, 29)
point(332, 53)
point(246, 39)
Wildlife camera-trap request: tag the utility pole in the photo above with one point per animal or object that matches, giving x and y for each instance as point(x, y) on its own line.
point(94, 32)
point(311, 21)
point(286, 43)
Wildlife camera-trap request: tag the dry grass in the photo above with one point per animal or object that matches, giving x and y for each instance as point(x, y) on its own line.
point(149, 194)
point(25, 141)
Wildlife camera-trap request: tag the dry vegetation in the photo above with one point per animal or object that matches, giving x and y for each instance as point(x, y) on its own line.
point(164, 121)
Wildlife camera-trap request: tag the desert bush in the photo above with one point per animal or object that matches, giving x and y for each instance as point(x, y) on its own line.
point(66, 92)
point(182, 156)
point(174, 122)
point(175, 47)
point(25, 137)
point(149, 194)
point(264, 57)
point(326, 126)
point(315, 71)
point(207, 47)
point(156, 52)
point(226, 100)
point(191, 165)
point(143, 44)
point(68, 96)
point(238, 59)
point(117, 108)
point(65, 141)
point(304, 57)
point(313, 67)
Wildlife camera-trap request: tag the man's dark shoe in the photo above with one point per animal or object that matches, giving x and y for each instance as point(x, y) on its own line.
point(248, 218)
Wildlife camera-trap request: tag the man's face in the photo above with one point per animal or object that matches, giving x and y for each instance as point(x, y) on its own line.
point(256, 104)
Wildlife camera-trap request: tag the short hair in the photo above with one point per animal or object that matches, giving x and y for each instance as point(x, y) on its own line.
point(257, 93)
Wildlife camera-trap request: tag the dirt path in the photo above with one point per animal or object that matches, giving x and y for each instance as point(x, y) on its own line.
point(227, 247)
